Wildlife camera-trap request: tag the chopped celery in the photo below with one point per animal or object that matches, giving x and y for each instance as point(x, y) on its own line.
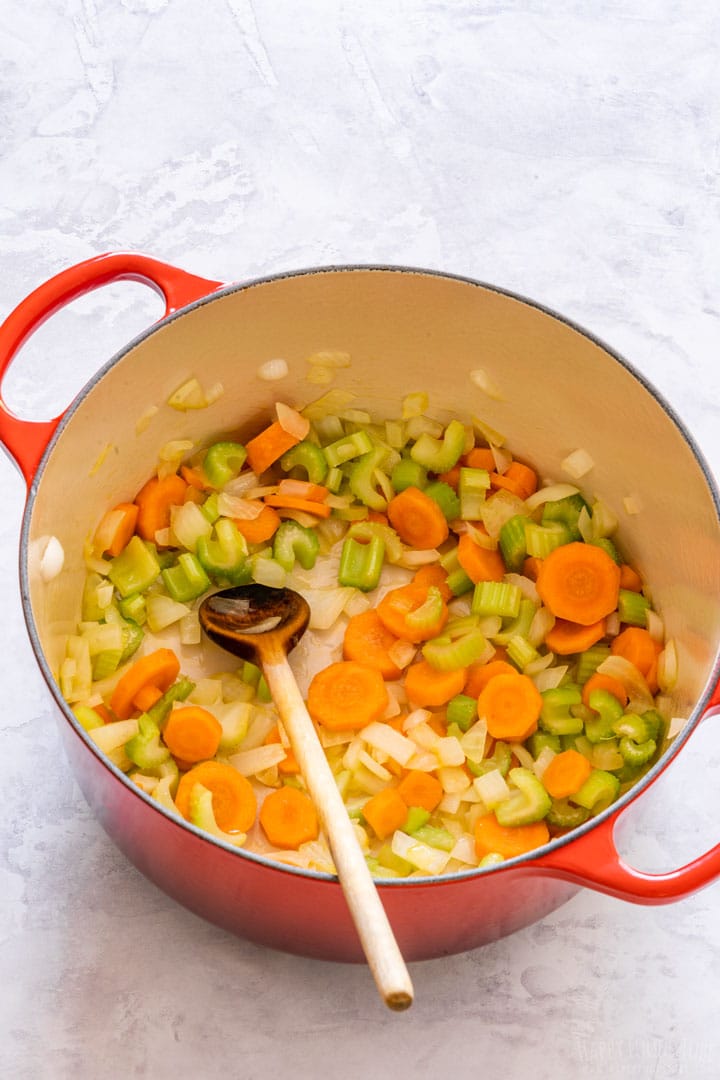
point(521, 652)
point(529, 802)
point(540, 740)
point(437, 455)
point(250, 673)
point(408, 473)
point(636, 743)
point(446, 654)
point(633, 607)
point(417, 818)
point(607, 712)
point(223, 462)
point(361, 563)
point(104, 663)
point(364, 477)
point(459, 583)
point(163, 611)
point(210, 507)
point(589, 661)
point(512, 542)
point(542, 539)
point(87, 718)
point(565, 816)
point(607, 546)
point(310, 458)
point(186, 580)
point(91, 609)
point(179, 691)
point(555, 715)
point(145, 748)
point(496, 598)
point(519, 626)
point(134, 569)
point(133, 608)
point(234, 720)
point(263, 690)
point(366, 530)
point(566, 511)
point(445, 497)
point(388, 860)
point(634, 753)
point(429, 613)
point(76, 670)
point(347, 448)
point(293, 541)
point(461, 710)
point(472, 490)
point(223, 557)
point(500, 760)
point(435, 837)
point(599, 790)
point(334, 479)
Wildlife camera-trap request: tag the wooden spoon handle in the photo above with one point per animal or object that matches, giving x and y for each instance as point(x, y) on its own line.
point(376, 935)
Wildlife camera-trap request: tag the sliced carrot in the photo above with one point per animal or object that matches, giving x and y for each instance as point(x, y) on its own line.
point(637, 646)
point(154, 501)
point(479, 563)
point(378, 517)
point(630, 579)
point(421, 789)
point(579, 582)
point(104, 713)
point(265, 449)
point(192, 733)
point(303, 489)
point(289, 765)
point(159, 669)
point(233, 799)
point(385, 812)
point(492, 838)
point(290, 502)
point(566, 774)
point(519, 479)
point(368, 640)
point(568, 637)
point(116, 528)
point(195, 478)
point(451, 477)
point(398, 603)
point(480, 457)
point(347, 696)
point(479, 675)
point(434, 574)
point(426, 686)
point(511, 705)
point(531, 567)
point(289, 818)
point(604, 682)
point(417, 519)
point(146, 697)
point(438, 723)
point(259, 529)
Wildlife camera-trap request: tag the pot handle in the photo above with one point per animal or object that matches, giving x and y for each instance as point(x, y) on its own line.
point(24, 439)
point(593, 861)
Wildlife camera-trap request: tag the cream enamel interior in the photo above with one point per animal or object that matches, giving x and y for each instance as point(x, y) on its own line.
point(405, 331)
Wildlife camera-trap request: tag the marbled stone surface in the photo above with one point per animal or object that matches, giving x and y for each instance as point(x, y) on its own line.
point(567, 151)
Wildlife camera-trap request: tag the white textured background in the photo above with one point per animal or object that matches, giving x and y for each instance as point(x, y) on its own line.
point(568, 151)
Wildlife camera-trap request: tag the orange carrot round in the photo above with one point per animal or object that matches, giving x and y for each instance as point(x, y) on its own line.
point(289, 765)
point(159, 669)
point(507, 840)
point(368, 640)
point(566, 774)
point(636, 645)
point(479, 563)
point(511, 705)
point(566, 637)
point(417, 519)
point(519, 479)
point(426, 686)
point(479, 675)
point(397, 604)
point(233, 799)
point(604, 682)
point(385, 812)
point(192, 733)
point(116, 528)
point(480, 457)
point(421, 789)
point(268, 446)
point(258, 530)
point(433, 574)
point(579, 582)
point(531, 567)
point(288, 818)
point(347, 696)
point(154, 501)
point(630, 579)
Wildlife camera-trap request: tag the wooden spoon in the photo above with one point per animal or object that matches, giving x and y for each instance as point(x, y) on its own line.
point(262, 625)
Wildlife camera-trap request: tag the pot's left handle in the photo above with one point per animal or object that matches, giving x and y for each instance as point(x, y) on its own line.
point(26, 440)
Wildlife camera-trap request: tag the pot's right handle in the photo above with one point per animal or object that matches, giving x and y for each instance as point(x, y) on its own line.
point(26, 440)
point(593, 860)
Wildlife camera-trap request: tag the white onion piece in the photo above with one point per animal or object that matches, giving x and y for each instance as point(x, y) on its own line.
point(634, 683)
point(550, 678)
point(291, 421)
point(383, 737)
point(52, 559)
point(233, 506)
point(551, 493)
point(260, 758)
point(577, 464)
point(502, 458)
point(242, 485)
point(273, 370)
point(482, 380)
point(667, 671)
point(524, 756)
point(543, 760)
point(655, 626)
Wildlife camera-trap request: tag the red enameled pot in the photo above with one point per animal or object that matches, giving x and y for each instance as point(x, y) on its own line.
point(405, 330)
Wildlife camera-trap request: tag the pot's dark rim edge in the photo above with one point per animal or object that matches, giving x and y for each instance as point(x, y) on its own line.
point(520, 862)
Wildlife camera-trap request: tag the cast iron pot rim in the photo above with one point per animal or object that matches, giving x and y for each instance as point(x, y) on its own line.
point(263, 860)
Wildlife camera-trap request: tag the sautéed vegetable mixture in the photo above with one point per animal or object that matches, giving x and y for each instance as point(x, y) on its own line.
point(490, 667)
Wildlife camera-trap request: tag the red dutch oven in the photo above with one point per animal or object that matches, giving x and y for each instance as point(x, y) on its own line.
point(405, 330)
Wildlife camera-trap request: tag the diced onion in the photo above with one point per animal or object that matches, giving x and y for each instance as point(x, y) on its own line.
point(464, 850)
point(52, 559)
point(632, 504)
point(655, 625)
point(326, 605)
point(454, 779)
point(449, 751)
point(482, 380)
point(550, 678)
point(242, 485)
point(502, 458)
point(492, 437)
point(543, 760)
point(667, 669)
point(273, 370)
point(492, 788)
point(383, 737)
point(412, 557)
point(577, 464)
point(233, 506)
point(191, 395)
point(551, 493)
point(330, 358)
point(163, 611)
point(114, 736)
point(524, 756)
point(250, 762)
point(474, 740)
point(402, 653)
point(291, 421)
point(635, 684)
point(424, 857)
point(143, 422)
point(541, 625)
point(481, 538)
point(414, 405)
point(417, 716)
point(373, 766)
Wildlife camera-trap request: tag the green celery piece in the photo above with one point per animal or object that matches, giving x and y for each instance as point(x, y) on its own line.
point(459, 583)
point(607, 712)
point(512, 542)
point(133, 608)
point(179, 691)
point(361, 563)
point(408, 473)
point(447, 654)
point(334, 480)
point(518, 626)
point(634, 753)
point(87, 718)
point(164, 558)
point(224, 555)
point(473, 486)
point(633, 608)
point(435, 837)
point(91, 610)
point(132, 639)
point(186, 580)
point(566, 511)
point(145, 748)
point(429, 612)
point(599, 790)
point(134, 569)
point(589, 661)
point(417, 818)
point(500, 760)
point(542, 539)
point(496, 598)
point(210, 508)
point(461, 710)
point(608, 547)
point(521, 652)
point(293, 541)
point(388, 860)
point(366, 530)
point(555, 715)
point(203, 816)
point(445, 497)
point(439, 455)
point(347, 448)
point(263, 691)
point(529, 802)
point(566, 816)
point(310, 458)
point(363, 482)
point(250, 673)
point(105, 663)
point(223, 462)
point(539, 740)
